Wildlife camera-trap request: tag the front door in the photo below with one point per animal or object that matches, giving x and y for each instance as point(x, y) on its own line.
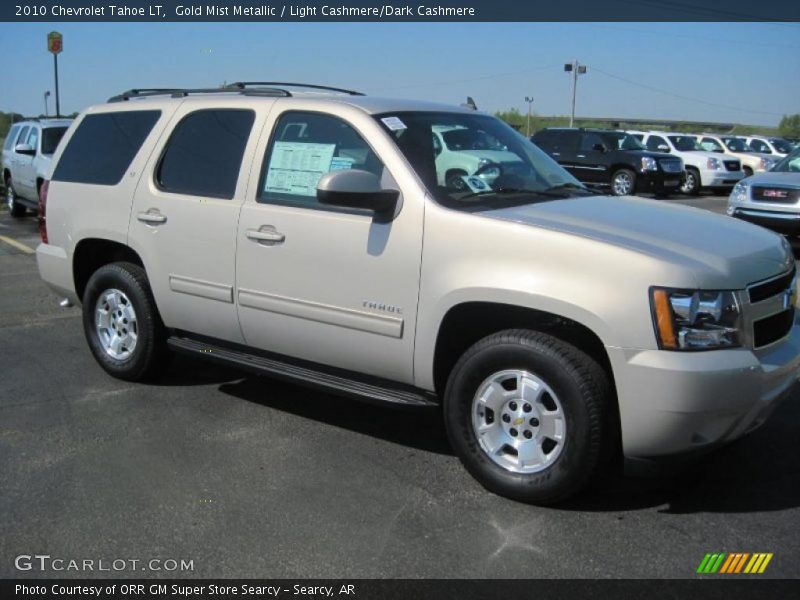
point(329, 285)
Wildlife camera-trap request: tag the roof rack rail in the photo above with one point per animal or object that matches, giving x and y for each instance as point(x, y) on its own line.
point(243, 85)
point(183, 92)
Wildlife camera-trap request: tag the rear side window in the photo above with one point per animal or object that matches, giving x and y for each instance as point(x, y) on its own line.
point(204, 154)
point(12, 134)
point(33, 138)
point(103, 146)
point(50, 138)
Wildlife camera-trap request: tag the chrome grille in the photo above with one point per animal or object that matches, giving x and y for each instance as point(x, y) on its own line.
point(671, 166)
point(733, 165)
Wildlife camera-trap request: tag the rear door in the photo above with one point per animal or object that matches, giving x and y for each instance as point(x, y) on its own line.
point(589, 164)
point(26, 178)
point(186, 208)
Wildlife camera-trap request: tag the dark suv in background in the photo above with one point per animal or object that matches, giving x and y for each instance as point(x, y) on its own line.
point(606, 157)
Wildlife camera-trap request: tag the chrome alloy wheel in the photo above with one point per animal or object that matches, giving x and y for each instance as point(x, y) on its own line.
point(10, 196)
point(115, 323)
point(688, 185)
point(622, 184)
point(518, 421)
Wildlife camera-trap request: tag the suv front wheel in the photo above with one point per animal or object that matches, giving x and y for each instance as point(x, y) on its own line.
point(527, 414)
point(15, 208)
point(623, 182)
point(121, 322)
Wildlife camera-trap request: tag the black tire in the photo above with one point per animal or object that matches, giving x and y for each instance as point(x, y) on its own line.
point(621, 174)
point(583, 391)
point(16, 209)
point(691, 187)
point(453, 181)
point(748, 172)
point(150, 353)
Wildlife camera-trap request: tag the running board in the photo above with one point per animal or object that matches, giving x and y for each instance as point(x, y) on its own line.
point(303, 375)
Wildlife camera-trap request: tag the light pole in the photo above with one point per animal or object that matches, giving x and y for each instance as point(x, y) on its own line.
point(576, 69)
point(46, 96)
point(529, 100)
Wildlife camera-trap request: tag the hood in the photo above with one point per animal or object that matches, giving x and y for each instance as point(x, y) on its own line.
point(722, 252)
point(705, 154)
point(775, 178)
point(498, 156)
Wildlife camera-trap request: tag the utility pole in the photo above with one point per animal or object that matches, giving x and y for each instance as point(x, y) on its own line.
point(46, 110)
point(576, 69)
point(529, 100)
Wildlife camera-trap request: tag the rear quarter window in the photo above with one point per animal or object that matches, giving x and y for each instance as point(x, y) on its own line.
point(103, 146)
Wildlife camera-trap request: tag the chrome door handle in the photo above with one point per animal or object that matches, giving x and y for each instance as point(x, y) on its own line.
point(266, 234)
point(151, 216)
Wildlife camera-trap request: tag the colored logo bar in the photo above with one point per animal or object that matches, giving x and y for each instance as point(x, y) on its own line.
point(734, 562)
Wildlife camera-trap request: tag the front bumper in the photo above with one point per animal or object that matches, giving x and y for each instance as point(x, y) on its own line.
point(719, 178)
point(787, 223)
point(674, 403)
point(659, 181)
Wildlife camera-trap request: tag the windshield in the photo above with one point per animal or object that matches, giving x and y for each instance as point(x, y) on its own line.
point(50, 138)
point(781, 146)
point(789, 164)
point(617, 140)
point(477, 162)
point(685, 143)
point(736, 144)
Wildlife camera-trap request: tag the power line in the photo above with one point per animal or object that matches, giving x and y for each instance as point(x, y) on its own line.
point(681, 97)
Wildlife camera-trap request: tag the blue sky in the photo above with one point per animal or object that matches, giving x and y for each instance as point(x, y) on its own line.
point(746, 72)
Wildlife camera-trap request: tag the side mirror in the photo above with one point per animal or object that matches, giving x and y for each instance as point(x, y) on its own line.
point(663, 148)
point(599, 148)
point(354, 188)
point(25, 149)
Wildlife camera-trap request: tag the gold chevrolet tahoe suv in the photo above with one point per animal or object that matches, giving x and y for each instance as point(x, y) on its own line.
point(307, 234)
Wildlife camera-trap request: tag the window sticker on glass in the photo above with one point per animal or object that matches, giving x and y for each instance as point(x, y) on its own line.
point(295, 167)
point(341, 163)
point(476, 184)
point(394, 123)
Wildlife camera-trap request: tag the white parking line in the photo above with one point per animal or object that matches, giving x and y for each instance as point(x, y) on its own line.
point(18, 245)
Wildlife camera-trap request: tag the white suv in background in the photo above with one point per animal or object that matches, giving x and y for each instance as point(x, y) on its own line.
point(774, 146)
point(27, 153)
point(704, 170)
point(737, 147)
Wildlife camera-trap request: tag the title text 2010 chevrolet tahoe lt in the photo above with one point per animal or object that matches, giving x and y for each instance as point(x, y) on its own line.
point(311, 237)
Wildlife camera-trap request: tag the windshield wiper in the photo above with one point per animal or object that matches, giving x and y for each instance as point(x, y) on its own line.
point(503, 190)
point(558, 190)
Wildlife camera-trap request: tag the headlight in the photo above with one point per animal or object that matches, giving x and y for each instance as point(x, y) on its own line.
point(714, 164)
point(739, 192)
point(649, 164)
point(766, 163)
point(695, 320)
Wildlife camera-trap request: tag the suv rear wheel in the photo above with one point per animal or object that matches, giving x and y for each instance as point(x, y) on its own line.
point(15, 208)
point(623, 182)
point(527, 414)
point(121, 323)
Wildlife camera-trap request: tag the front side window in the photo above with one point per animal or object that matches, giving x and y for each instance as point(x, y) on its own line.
point(33, 139)
point(618, 140)
point(685, 143)
point(50, 138)
point(485, 165)
point(590, 142)
point(204, 153)
point(711, 145)
point(103, 146)
point(760, 146)
point(736, 144)
point(23, 135)
point(654, 141)
point(304, 147)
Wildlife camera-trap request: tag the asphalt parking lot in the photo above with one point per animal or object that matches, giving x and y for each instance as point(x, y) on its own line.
point(250, 477)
